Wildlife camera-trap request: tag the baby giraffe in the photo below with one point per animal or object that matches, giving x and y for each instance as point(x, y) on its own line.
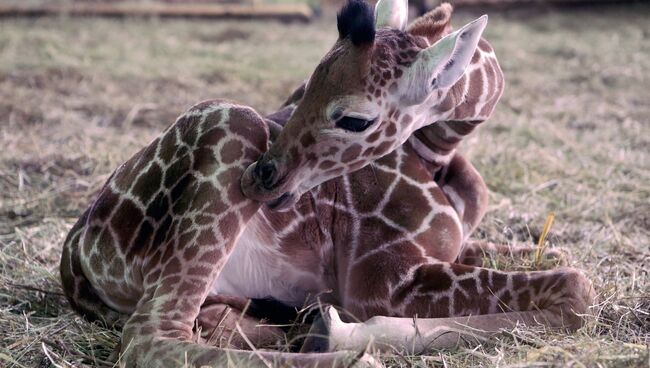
point(432, 148)
point(179, 231)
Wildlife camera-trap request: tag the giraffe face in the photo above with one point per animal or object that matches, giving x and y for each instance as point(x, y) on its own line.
point(372, 90)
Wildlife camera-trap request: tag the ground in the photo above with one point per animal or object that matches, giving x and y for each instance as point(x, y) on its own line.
point(570, 136)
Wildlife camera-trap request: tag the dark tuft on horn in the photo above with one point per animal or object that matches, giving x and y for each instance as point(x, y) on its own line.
point(357, 21)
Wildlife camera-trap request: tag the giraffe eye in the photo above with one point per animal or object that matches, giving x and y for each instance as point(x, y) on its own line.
point(354, 124)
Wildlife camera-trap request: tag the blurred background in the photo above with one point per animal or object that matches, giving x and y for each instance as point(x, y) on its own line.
point(85, 84)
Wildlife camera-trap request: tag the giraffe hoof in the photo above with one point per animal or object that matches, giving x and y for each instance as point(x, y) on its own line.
point(318, 338)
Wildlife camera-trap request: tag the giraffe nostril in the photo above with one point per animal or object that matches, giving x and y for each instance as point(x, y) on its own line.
point(266, 174)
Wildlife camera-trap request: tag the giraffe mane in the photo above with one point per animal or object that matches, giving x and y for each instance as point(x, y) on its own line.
point(434, 24)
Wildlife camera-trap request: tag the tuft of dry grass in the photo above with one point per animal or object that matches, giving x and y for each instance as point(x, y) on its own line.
point(571, 136)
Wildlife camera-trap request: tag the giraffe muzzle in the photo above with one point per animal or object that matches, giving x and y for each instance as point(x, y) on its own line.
point(264, 181)
point(266, 173)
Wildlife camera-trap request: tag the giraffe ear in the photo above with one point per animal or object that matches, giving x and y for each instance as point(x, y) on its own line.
point(434, 24)
point(391, 14)
point(442, 64)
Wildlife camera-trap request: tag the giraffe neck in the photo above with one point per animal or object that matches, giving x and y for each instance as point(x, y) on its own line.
point(468, 103)
point(340, 221)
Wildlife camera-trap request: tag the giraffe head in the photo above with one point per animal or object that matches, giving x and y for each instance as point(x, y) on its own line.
point(371, 91)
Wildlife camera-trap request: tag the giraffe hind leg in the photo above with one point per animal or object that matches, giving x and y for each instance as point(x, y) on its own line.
point(179, 270)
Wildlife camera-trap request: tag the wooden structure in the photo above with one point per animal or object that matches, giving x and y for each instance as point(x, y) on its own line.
point(284, 12)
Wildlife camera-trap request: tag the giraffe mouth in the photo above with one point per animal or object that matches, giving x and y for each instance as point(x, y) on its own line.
point(276, 196)
point(284, 201)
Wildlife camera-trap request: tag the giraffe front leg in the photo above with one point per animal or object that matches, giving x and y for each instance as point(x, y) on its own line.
point(441, 303)
point(159, 334)
point(411, 335)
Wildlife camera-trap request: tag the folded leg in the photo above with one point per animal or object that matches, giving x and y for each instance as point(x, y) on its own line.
point(223, 322)
point(442, 296)
point(412, 335)
point(156, 336)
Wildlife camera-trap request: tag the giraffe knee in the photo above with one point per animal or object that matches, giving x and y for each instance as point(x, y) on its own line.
point(222, 120)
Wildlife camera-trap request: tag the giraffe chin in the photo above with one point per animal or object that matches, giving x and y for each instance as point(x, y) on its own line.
point(283, 202)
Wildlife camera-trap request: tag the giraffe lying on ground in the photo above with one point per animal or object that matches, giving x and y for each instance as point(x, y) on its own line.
point(174, 238)
point(434, 147)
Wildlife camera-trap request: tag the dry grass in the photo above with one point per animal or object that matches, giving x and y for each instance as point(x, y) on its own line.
point(571, 136)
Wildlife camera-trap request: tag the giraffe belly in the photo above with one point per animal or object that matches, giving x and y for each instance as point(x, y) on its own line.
point(257, 268)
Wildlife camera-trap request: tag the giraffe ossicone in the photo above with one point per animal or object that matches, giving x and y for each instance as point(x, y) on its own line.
point(384, 207)
point(391, 14)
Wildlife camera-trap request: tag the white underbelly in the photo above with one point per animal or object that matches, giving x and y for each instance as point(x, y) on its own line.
point(258, 269)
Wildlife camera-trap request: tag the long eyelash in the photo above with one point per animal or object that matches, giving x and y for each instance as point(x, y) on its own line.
point(354, 124)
